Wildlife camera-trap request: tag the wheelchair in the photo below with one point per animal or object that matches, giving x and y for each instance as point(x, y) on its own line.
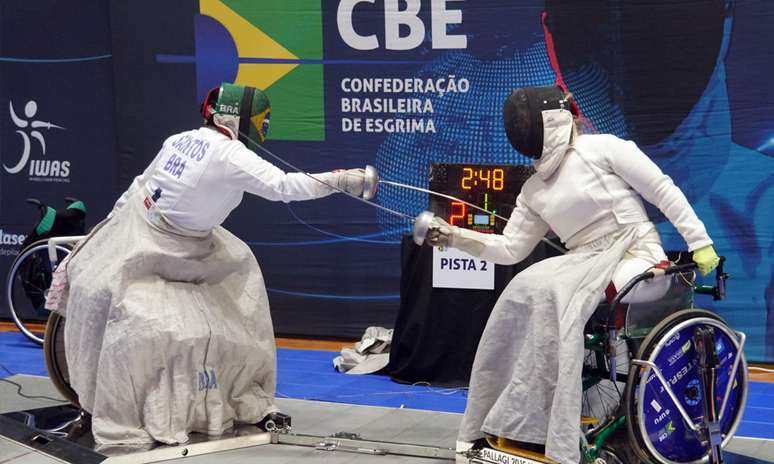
point(30, 273)
point(663, 381)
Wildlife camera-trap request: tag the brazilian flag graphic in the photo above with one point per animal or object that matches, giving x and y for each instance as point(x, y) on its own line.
point(278, 48)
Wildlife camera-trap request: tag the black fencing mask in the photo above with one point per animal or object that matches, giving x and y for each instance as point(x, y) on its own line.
point(523, 117)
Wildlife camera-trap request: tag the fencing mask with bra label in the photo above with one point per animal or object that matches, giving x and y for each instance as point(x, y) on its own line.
point(241, 111)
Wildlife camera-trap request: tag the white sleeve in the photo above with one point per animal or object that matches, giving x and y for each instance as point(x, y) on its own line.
point(644, 176)
point(255, 175)
point(520, 236)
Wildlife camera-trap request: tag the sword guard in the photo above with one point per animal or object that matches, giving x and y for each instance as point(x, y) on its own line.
point(370, 182)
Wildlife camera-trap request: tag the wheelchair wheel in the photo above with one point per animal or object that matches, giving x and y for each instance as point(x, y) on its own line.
point(27, 284)
point(56, 363)
point(656, 428)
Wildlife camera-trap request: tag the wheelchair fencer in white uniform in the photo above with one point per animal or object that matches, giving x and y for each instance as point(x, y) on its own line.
point(167, 328)
point(526, 380)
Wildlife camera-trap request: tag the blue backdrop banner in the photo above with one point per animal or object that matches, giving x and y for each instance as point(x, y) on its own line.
point(399, 85)
point(56, 107)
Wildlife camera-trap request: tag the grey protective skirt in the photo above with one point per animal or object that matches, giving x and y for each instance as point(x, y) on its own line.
point(526, 378)
point(166, 333)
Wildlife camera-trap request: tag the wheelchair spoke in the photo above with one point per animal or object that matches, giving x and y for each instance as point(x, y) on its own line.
point(603, 403)
point(618, 392)
point(34, 287)
point(612, 396)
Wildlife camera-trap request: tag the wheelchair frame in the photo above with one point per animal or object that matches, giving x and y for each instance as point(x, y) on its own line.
point(600, 343)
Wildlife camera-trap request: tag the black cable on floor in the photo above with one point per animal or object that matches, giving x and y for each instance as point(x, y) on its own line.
point(19, 389)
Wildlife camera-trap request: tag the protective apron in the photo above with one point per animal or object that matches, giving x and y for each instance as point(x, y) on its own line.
point(534, 337)
point(166, 333)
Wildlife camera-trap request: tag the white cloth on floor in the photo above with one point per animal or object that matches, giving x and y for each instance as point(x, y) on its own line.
point(371, 354)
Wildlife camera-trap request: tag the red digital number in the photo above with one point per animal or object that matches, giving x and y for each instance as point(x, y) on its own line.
point(458, 211)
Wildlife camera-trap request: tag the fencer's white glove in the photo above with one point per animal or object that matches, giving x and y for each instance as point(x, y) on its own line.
point(351, 180)
point(441, 233)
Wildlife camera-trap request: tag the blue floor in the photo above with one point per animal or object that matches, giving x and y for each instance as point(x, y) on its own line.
point(20, 356)
point(309, 375)
point(302, 374)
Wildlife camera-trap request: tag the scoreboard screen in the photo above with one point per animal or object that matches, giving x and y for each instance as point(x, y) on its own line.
point(492, 187)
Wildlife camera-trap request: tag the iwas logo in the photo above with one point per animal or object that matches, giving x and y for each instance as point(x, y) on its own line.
point(31, 132)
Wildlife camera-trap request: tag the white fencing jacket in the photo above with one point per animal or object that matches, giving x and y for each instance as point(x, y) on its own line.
point(592, 192)
point(200, 176)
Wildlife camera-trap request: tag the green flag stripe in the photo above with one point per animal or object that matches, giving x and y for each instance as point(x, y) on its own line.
point(294, 24)
point(297, 105)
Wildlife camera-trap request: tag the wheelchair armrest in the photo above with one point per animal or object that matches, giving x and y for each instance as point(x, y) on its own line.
point(718, 292)
point(54, 241)
point(616, 306)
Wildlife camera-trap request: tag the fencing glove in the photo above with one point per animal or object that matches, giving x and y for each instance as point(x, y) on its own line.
point(443, 234)
point(351, 180)
point(706, 259)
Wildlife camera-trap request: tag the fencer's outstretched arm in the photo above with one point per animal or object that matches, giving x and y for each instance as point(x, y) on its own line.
point(520, 236)
point(639, 171)
point(253, 174)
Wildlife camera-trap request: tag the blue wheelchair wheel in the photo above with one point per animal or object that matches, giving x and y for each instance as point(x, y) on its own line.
point(657, 426)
